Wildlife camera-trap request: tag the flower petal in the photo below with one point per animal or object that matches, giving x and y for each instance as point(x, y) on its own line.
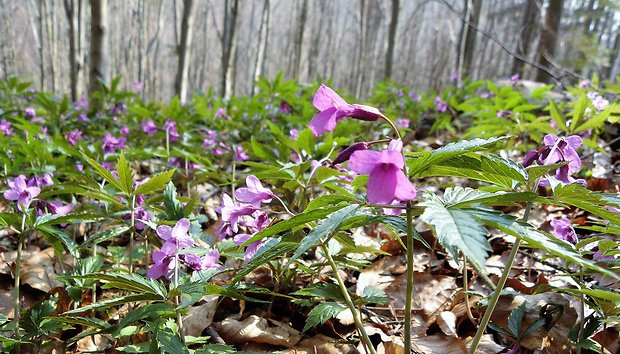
point(381, 185)
point(325, 98)
point(366, 113)
point(164, 232)
point(323, 121)
point(11, 194)
point(364, 161)
point(404, 189)
point(180, 229)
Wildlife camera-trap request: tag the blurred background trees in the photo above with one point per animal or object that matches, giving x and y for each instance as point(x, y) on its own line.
point(178, 47)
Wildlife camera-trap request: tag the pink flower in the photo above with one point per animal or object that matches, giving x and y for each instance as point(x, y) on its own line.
point(240, 154)
point(254, 193)
point(563, 230)
point(333, 109)
point(149, 127)
point(231, 212)
point(124, 130)
point(58, 208)
point(21, 192)
point(73, 137)
point(5, 127)
point(208, 261)
point(440, 105)
point(176, 238)
point(386, 182)
point(403, 122)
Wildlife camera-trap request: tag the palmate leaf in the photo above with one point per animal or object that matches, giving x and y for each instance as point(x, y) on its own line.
point(456, 230)
point(427, 160)
point(120, 300)
point(130, 282)
point(323, 312)
point(536, 238)
point(459, 197)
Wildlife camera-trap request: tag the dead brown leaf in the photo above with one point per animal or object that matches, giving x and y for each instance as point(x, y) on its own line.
point(200, 317)
point(258, 330)
point(321, 344)
point(440, 344)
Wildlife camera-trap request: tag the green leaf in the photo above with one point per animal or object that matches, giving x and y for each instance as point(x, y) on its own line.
point(459, 197)
point(58, 239)
point(325, 227)
point(82, 321)
point(486, 168)
point(499, 329)
point(295, 221)
point(537, 171)
point(101, 171)
point(323, 312)
point(515, 319)
point(579, 196)
point(537, 239)
point(170, 343)
point(578, 110)
point(105, 235)
point(125, 174)
point(119, 300)
point(269, 251)
point(130, 282)
point(174, 210)
point(155, 183)
point(418, 165)
point(557, 117)
point(456, 228)
point(329, 199)
point(374, 296)
point(323, 290)
point(533, 327)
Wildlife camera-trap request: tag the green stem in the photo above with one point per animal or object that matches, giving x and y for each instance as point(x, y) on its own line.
point(349, 302)
point(394, 129)
point(18, 261)
point(131, 234)
point(409, 289)
point(582, 311)
point(500, 285)
point(176, 298)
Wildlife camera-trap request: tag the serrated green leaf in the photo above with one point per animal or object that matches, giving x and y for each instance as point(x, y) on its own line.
point(325, 227)
point(456, 229)
point(174, 210)
point(125, 174)
point(155, 183)
point(130, 282)
point(533, 327)
point(515, 319)
point(459, 197)
point(120, 300)
point(418, 165)
point(170, 343)
point(374, 295)
point(579, 196)
point(329, 199)
point(104, 173)
point(538, 239)
point(323, 290)
point(499, 329)
point(272, 249)
point(537, 171)
point(557, 116)
point(105, 235)
point(58, 239)
point(321, 313)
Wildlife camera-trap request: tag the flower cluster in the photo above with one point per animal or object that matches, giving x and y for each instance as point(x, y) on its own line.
point(111, 144)
point(440, 105)
point(149, 127)
point(167, 259)
point(22, 192)
point(171, 128)
point(6, 127)
point(73, 137)
point(243, 218)
point(558, 150)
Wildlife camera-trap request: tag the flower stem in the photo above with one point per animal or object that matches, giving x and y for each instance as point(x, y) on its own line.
point(500, 285)
point(582, 311)
point(18, 261)
point(131, 234)
point(394, 129)
point(176, 298)
point(349, 302)
point(409, 289)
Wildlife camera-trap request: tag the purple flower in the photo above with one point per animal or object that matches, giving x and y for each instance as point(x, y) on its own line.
point(221, 113)
point(124, 130)
point(21, 192)
point(584, 83)
point(440, 105)
point(110, 143)
point(176, 237)
point(171, 128)
point(137, 86)
point(333, 109)
point(240, 154)
point(514, 78)
point(5, 127)
point(486, 94)
point(345, 154)
point(251, 249)
point(254, 193)
point(557, 150)
point(413, 96)
point(403, 122)
point(81, 104)
point(221, 149)
point(599, 102)
point(149, 127)
point(563, 230)
point(386, 181)
point(163, 265)
point(231, 212)
point(83, 117)
point(285, 108)
point(208, 261)
point(400, 94)
point(30, 112)
point(118, 108)
point(56, 207)
point(294, 133)
point(40, 181)
point(73, 137)
point(502, 114)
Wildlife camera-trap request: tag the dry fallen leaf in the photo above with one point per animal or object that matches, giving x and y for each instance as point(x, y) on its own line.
point(486, 345)
point(430, 293)
point(94, 343)
point(440, 344)
point(258, 330)
point(200, 317)
point(320, 344)
point(38, 268)
point(447, 322)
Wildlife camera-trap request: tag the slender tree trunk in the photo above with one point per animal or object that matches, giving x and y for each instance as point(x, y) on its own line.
point(361, 52)
point(99, 68)
point(299, 38)
point(229, 47)
point(528, 29)
point(261, 51)
point(74, 65)
point(615, 59)
point(205, 49)
point(184, 49)
point(548, 38)
point(389, 54)
point(142, 28)
point(468, 37)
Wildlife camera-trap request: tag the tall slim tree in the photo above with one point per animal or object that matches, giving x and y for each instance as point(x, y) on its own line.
point(528, 29)
point(99, 67)
point(389, 54)
point(299, 37)
point(229, 46)
point(548, 39)
point(467, 39)
point(261, 51)
point(183, 49)
point(75, 60)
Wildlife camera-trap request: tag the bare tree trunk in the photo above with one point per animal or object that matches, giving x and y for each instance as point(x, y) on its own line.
point(152, 51)
point(205, 46)
point(74, 63)
point(55, 75)
point(548, 38)
point(261, 52)
point(528, 29)
point(468, 37)
point(142, 28)
point(8, 48)
point(99, 68)
point(389, 54)
point(299, 37)
point(361, 52)
point(184, 48)
point(615, 59)
point(229, 46)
